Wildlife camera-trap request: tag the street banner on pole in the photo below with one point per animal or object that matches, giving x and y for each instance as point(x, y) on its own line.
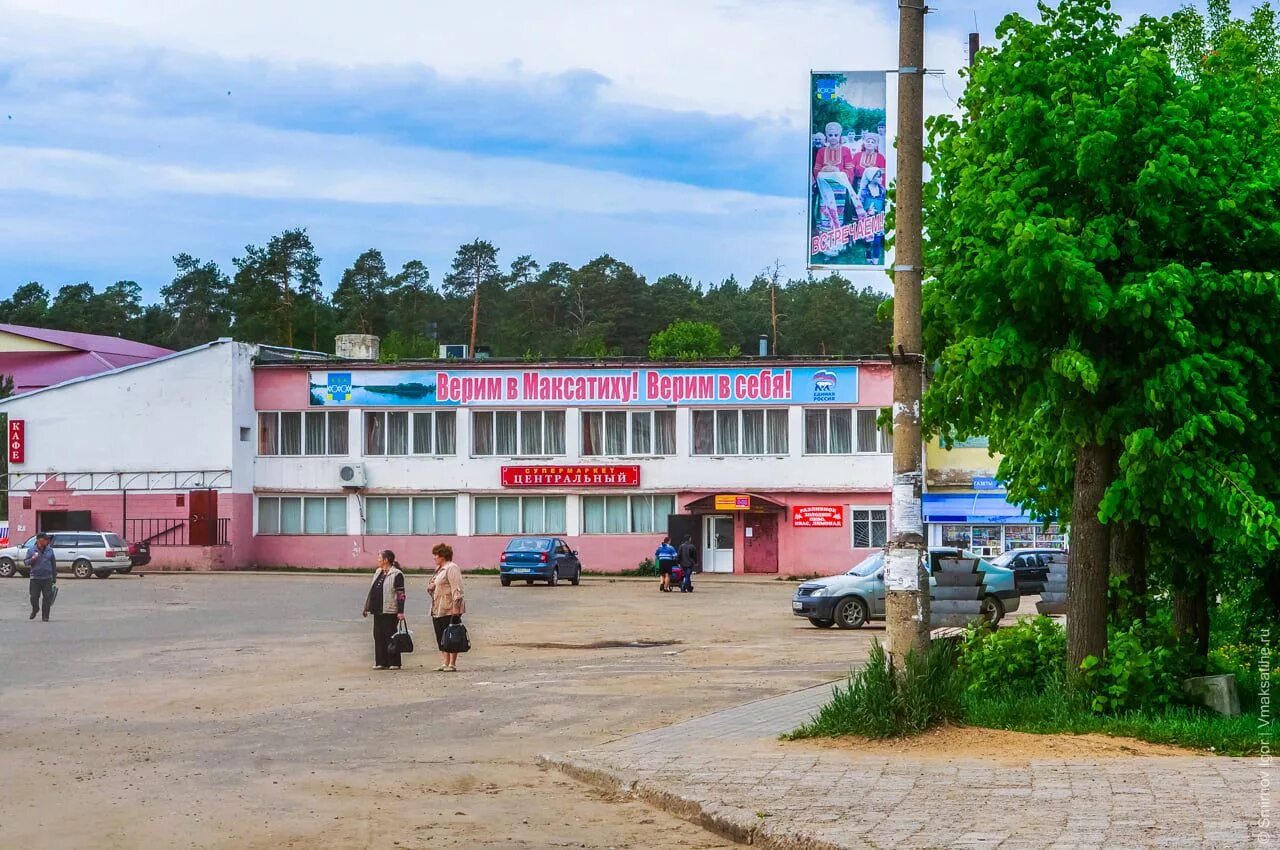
point(848, 171)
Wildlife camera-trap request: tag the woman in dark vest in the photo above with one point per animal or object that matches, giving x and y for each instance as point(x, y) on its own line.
point(386, 602)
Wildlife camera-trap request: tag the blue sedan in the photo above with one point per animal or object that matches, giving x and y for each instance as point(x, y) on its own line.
point(533, 559)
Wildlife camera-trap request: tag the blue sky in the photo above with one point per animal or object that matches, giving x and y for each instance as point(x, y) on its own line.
point(667, 133)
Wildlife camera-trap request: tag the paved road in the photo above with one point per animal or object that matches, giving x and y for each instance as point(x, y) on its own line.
point(187, 710)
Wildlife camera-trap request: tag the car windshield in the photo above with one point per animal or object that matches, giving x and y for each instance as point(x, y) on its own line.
point(868, 566)
point(1005, 559)
point(116, 541)
point(529, 544)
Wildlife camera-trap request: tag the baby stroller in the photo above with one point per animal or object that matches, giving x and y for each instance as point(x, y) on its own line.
point(682, 577)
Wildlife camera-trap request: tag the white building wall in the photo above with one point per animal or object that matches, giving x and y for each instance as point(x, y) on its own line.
point(179, 413)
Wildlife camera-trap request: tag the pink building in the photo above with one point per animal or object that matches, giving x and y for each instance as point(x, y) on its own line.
point(37, 357)
point(248, 457)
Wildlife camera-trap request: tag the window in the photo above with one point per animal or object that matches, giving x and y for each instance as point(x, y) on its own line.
point(298, 433)
point(302, 515)
point(424, 433)
point(740, 432)
point(842, 431)
point(870, 527)
point(410, 515)
point(529, 433)
point(955, 535)
point(520, 515)
point(626, 514)
point(386, 432)
point(635, 432)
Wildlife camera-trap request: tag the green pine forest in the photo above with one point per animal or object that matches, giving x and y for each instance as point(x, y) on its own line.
point(281, 293)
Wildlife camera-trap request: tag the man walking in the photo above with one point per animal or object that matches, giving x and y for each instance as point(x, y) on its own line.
point(688, 561)
point(44, 575)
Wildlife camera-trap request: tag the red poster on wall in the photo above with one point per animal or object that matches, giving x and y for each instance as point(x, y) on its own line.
point(571, 476)
point(817, 516)
point(17, 441)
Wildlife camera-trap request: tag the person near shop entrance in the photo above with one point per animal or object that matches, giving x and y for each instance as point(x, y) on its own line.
point(688, 562)
point(386, 602)
point(44, 576)
point(447, 606)
point(665, 557)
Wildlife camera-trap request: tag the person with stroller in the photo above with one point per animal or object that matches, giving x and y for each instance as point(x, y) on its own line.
point(664, 558)
point(688, 556)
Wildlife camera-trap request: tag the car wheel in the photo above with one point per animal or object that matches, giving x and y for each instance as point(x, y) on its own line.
point(577, 578)
point(851, 613)
point(528, 581)
point(103, 574)
point(82, 569)
point(555, 577)
point(992, 610)
point(821, 623)
point(125, 571)
point(505, 581)
point(7, 567)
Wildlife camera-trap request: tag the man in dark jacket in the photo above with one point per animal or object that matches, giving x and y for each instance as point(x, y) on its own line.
point(688, 562)
point(44, 573)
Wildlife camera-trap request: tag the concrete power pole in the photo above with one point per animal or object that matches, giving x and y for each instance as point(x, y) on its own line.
point(906, 583)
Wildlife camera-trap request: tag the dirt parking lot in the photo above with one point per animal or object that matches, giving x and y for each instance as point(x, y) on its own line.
point(190, 710)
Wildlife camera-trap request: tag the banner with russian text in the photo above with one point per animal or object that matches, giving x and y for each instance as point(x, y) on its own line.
point(849, 171)
point(772, 385)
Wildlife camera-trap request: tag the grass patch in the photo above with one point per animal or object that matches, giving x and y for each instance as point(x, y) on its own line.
point(880, 702)
point(1057, 711)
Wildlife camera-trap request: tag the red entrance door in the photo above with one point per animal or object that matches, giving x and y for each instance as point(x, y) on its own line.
point(203, 517)
point(760, 546)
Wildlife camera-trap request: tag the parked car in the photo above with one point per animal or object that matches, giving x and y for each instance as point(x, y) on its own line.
point(851, 599)
point(82, 553)
point(1030, 567)
point(546, 559)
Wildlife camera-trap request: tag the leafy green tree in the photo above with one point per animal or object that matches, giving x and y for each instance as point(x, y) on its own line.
point(276, 293)
point(1100, 232)
point(196, 299)
point(689, 341)
point(363, 295)
point(475, 267)
point(28, 305)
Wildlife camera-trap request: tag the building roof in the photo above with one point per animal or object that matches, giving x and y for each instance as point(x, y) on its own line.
point(90, 342)
point(69, 356)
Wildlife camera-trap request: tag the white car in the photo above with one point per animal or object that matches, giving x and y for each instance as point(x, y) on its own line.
point(82, 553)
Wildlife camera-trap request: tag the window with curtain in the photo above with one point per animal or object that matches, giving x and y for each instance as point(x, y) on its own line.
point(886, 432)
point(615, 432)
point(422, 433)
point(338, 424)
point(641, 432)
point(592, 433)
point(870, 527)
point(268, 433)
point(506, 430)
point(778, 439)
point(375, 433)
point(302, 515)
point(482, 433)
point(815, 432)
point(868, 431)
point(398, 433)
point(726, 432)
point(626, 514)
point(446, 432)
point(516, 515)
point(314, 432)
point(753, 432)
point(704, 432)
point(664, 432)
point(553, 433)
point(531, 432)
point(841, 423)
point(290, 433)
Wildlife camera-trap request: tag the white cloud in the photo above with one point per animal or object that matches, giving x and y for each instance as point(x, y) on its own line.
point(747, 57)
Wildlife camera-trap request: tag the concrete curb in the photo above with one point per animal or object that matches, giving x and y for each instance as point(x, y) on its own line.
point(729, 822)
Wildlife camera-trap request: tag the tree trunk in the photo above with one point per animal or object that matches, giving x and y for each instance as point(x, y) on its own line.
point(1129, 561)
point(1191, 611)
point(475, 318)
point(1087, 563)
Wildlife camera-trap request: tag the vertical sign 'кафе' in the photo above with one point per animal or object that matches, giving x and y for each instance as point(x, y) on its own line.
point(848, 169)
point(17, 441)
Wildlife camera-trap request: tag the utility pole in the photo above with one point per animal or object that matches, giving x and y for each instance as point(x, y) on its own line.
point(906, 583)
point(773, 309)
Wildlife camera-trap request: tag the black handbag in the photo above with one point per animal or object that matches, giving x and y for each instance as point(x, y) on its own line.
point(455, 638)
point(401, 641)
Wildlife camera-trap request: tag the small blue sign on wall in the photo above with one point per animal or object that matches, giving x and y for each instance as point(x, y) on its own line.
point(985, 482)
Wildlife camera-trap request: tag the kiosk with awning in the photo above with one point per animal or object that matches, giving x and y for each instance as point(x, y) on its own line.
point(985, 523)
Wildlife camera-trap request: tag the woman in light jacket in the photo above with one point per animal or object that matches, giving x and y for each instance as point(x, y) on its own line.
point(386, 602)
point(447, 606)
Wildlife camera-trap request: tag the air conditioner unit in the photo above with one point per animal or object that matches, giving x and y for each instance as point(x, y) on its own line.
point(351, 475)
point(453, 352)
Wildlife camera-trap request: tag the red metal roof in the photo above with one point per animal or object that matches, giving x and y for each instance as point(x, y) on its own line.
point(91, 354)
point(90, 342)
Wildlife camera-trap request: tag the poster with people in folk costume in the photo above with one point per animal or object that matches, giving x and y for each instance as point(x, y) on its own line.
point(849, 174)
